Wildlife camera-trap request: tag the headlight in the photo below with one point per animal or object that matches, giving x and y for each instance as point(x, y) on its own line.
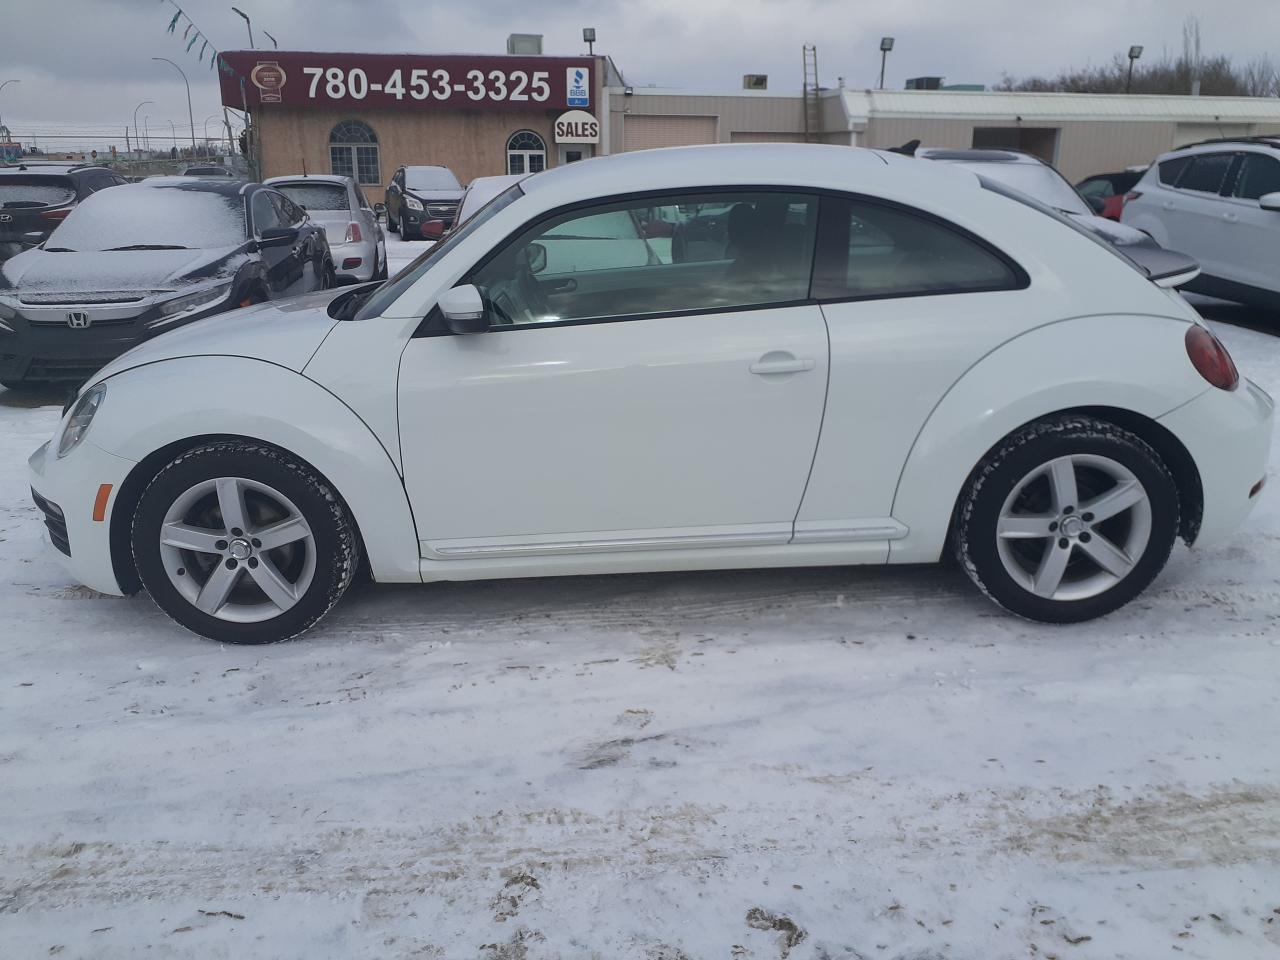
point(172, 309)
point(82, 415)
point(413, 203)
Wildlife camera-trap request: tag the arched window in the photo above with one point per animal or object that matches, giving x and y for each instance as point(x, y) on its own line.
point(353, 152)
point(526, 152)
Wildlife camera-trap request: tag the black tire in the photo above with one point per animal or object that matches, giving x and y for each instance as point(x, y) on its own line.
point(382, 272)
point(10, 384)
point(994, 480)
point(393, 225)
point(336, 543)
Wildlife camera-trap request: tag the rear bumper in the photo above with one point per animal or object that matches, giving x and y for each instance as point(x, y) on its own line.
point(69, 489)
point(1228, 434)
point(345, 253)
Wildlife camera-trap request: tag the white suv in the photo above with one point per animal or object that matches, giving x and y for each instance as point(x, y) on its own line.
point(1219, 202)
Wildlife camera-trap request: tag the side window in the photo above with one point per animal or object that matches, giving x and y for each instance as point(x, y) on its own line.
point(361, 200)
point(1206, 172)
point(1259, 176)
point(1097, 187)
point(682, 254)
point(290, 213)
point(1169, 170)
point(872, 250)
point(265, 214)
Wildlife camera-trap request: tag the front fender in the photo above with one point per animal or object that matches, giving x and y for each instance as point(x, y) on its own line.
point(171, 401)
point(1134, 363)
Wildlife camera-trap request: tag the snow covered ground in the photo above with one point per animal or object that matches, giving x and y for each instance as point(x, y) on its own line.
point(813, 764)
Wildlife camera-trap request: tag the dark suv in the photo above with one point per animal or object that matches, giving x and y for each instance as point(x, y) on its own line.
point(35, 197)
point(423, 201)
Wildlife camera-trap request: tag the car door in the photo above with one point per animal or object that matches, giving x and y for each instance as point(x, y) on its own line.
point(280, 260)
point(621, 403)
point(1251, 235)
point(1193, 214)
point(306, 267)
point(911, 302)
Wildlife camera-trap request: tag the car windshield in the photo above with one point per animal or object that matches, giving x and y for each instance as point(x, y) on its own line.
point(431, 178)
point(143, 217)
point(1035, 180)
point(34, 190)
point(389, 291)
point(315, 196)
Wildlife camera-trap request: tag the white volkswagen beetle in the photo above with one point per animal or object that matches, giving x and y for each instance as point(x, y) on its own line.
point(825, 356)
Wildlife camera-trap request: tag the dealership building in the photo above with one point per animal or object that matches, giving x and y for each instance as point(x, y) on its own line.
point(365, 115)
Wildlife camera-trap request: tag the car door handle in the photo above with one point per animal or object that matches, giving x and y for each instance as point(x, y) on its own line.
point(779, 362)
point(1230, 218)
point(1167, 205)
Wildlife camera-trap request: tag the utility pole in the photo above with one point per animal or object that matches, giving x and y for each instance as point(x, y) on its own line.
point(137, 140)
point(190, 116)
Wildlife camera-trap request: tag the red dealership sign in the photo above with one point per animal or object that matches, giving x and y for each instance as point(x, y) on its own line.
point(410, 81)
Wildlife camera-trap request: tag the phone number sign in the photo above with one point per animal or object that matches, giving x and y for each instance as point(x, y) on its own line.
point(405, 80)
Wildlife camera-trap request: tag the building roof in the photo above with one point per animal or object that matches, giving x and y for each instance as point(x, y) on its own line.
point(999, 105)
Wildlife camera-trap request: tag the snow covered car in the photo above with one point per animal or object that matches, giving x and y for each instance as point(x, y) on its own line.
point(138, 260)
point(356, 243)
point(984, 377)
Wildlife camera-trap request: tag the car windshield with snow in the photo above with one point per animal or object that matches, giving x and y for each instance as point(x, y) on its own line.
point(863, 359)
point(132, 262)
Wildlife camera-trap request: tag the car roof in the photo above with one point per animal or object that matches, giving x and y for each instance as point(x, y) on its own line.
point(426, 166)
point(47, 167)
point(976, 156)
point(1260, 144)
point(305, 177)
point(228, 188)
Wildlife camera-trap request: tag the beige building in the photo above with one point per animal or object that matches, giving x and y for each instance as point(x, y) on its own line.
point(368, 114)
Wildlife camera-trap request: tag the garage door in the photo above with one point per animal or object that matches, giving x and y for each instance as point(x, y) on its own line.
point(744, 137)
point(644, 133)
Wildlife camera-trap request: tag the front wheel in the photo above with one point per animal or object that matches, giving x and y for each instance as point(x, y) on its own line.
point(241, 543)
point(1067, 520)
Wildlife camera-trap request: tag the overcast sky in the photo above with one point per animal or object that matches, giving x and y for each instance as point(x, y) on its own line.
point(88, 61)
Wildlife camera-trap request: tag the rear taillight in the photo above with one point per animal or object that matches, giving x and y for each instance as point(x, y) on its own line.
point(1210, 358)
point(353, 233)
point(56, 214)
point(1132, 195)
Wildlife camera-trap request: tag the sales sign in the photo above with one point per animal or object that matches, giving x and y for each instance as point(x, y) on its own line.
point(410, 81)
point(577, 126)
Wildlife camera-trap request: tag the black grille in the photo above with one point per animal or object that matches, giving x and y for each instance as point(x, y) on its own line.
point(442, 209)
point(54, 521)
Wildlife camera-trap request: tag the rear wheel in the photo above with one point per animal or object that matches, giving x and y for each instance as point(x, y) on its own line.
point(241, 543)
point(1069, 519)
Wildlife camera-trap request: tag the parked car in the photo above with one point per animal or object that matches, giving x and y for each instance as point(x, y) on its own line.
point(36, 197)
point(142, 259)
point(208, 170)
point(986, 376)
point(1219, 201)
point(480, 191)
point(422, 202)
point(356, 243)
point(1109, 189)
point(1040, 180)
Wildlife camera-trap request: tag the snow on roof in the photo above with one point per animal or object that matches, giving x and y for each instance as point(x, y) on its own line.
point(1000, 105)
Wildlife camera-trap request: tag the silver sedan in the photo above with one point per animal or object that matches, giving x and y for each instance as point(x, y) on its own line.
point(339, 205)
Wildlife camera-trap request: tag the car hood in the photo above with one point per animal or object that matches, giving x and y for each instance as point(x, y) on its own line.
point(1113, 232)
point(433, 196)
point(286, 333)
point(117, 270)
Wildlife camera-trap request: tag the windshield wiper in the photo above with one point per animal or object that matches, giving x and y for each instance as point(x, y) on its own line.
point(147, 246)
point(58, 250)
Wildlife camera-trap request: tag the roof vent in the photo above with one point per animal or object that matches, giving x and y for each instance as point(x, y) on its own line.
point(525, 44)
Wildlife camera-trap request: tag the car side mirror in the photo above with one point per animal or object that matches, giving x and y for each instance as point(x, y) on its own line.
point(32, 239)
point(1096, 204)
point(463, 310)
point(1270, 201)
point(380, 209)
point(535, 255)
point(278, 237)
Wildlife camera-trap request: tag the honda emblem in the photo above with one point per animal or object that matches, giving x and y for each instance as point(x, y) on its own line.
point(77, 321)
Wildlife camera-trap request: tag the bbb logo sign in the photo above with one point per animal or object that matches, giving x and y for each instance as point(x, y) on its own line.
point(577, 85)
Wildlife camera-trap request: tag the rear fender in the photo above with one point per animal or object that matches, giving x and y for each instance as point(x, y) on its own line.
point(170, 402)
point(1134, 363)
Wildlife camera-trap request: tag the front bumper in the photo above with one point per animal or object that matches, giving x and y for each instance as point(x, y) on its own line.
point(423, 224)
point(1228, 435)
point(71, 487)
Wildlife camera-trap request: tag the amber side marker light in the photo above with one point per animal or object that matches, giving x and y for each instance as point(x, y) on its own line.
point(100, 502)
point(1257, 488)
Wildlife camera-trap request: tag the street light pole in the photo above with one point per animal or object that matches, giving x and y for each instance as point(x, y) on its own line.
point(146, 130)
point(237, 10)
point(1134, 53)
point(190, 116)
point(137, 139)
point(273, 40)
point(2, 86)
point(886, 44)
